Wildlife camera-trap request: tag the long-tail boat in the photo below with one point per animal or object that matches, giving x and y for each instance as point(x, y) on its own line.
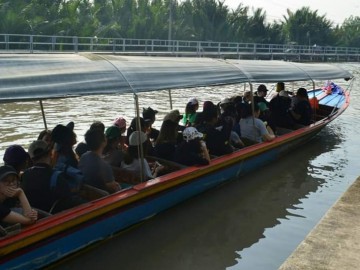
point(26, 77)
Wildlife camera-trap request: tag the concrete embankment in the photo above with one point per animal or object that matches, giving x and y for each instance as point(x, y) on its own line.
point(335, 241)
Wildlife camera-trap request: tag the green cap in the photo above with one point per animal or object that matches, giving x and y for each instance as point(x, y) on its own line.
point(113, 132)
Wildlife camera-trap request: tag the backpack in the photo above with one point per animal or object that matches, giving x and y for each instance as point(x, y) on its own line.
point(73, 176)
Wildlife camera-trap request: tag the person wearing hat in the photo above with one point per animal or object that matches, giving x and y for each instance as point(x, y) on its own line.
point(149, 116)
point(43, 191)
point(120, 122)
point(96, 171)
point(112, 154)
point(64, 138)
point(10, 190)
point(132, 159)
point(193, 150)
point(261, 93)
point(175, 116)
point(190, 112)
point(16, 157)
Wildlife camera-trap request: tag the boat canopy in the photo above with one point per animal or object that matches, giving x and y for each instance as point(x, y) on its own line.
point(46, 76)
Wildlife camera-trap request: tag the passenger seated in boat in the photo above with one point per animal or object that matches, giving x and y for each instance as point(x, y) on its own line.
point(280, 89)
point(82, 148)
point(120, 122)
point(228, 117)
point(112, 154)
point(175, 116)
point(261, 93)
point(279, 111)
point(97, 172)
point(199, 118)
point(16, 157)
point(247, 97)
point(44, 188)
point(193, 150)
point(143, 128)
point(132, 159)
point(253, 128)
point(64, 138)
point(10, 195)
point(149, 116)
point(300, 109)
point(167, 141)
point(217, 139)
point(45, 136)
point(190, 112)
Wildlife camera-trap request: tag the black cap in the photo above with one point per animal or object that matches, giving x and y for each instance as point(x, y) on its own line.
point(6, 170)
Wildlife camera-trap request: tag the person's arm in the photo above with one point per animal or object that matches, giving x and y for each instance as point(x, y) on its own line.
point(205, 151)
point(267, 133)
point(112, 186)
point(29, 216)
point(13, 218)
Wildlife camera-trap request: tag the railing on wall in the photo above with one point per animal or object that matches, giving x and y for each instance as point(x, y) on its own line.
point(42, 43)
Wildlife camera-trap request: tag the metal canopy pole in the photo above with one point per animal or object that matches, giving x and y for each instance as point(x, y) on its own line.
point(43, 114)
point(170, 98)
point(138, 128)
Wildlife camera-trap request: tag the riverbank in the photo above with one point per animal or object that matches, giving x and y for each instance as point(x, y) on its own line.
point(335, 242)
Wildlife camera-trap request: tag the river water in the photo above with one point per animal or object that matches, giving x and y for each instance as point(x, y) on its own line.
point(250, 223)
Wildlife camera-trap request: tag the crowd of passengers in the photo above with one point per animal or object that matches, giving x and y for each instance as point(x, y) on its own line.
point(52, 173)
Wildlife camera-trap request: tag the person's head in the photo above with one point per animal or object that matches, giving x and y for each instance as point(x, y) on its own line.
point(98, 125)
point(210, 115)
point(191, 133)
point(168, 132)
point(225, 103)
point(95, 139)
point(280, 86)
point(133, 124)
point(8, 178)
point(45, 136)
point(16, 156)
point(247, 96)
point(39, 150)
point(120, 122)
point(136, 138)
point(63, 136)
point(174, 116)
point(113, 135)
point(192, 106)
point(302, 93)
point(208, 104)
point(149, 115)
point(262, 90)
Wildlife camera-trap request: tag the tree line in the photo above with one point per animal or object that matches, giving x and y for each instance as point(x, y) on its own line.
point(181, 20)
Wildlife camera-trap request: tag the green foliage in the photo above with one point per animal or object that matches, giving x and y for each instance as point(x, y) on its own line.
point(348, 35)
point(206, 20)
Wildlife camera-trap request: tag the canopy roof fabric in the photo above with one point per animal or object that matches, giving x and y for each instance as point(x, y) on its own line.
point(46, 76)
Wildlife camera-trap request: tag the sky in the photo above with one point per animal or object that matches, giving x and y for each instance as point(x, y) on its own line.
point(335, 11)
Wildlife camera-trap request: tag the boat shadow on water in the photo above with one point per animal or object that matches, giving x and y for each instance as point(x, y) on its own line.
point(211, 230)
